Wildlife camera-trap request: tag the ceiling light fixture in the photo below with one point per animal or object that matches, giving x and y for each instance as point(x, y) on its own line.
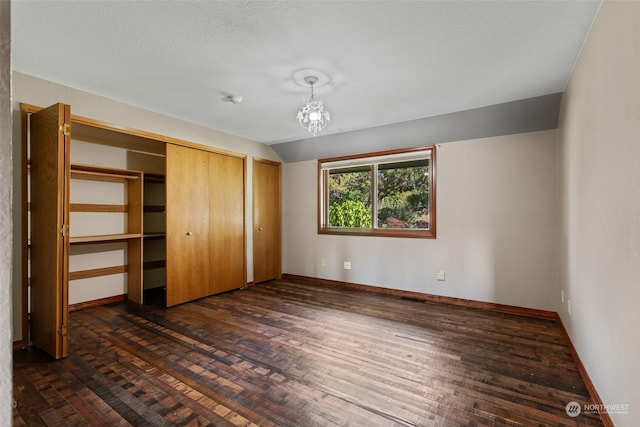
point(312, 115)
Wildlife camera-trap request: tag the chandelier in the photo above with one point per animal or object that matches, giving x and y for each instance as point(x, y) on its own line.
point(312, 115)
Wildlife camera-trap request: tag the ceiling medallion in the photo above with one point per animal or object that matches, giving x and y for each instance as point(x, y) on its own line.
point(312, 115)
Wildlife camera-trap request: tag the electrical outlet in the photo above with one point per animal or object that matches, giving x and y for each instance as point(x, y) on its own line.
point(323, 262)
point(347, 265)
point(562, 296)
point(440, 276)
point(569, 307)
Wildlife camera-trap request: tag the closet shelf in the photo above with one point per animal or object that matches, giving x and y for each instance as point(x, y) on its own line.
point(97, 173)
point(155, 178)
point(154, 209)
point(104, 238)
point(154, 235)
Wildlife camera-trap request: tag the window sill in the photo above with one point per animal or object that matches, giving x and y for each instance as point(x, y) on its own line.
point(405, 233)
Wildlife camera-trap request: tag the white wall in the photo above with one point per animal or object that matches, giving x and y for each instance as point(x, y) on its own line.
point(85, 257)
point(31, 90)
point(6, 230)
point(599, 157)
point(496, 207)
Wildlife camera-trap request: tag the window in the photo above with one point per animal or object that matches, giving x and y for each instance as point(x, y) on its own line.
point(389, 193)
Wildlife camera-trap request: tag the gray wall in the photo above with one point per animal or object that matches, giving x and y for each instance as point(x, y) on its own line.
point(527, 115)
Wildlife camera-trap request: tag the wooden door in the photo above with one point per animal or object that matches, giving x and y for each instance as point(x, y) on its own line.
point(226, 223)
point(50, 176)
point(187, 228)
point(267, 240)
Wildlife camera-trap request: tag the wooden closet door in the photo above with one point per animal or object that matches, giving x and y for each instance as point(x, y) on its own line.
point(267, 240)
point(187, 216)
point(226, 224)
point(50, 176)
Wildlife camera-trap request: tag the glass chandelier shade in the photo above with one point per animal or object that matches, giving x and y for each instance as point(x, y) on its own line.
point(312, 115)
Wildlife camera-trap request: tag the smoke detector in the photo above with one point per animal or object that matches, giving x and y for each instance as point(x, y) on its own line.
point(234, 99)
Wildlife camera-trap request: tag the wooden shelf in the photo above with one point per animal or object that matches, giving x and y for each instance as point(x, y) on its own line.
point(104, 238)
point(150, 265)
point(148, 177)
point(97, 173)
point(46, 190)
point(97, 272)
point(154, 209)
point(95, 207)
point(154, 235)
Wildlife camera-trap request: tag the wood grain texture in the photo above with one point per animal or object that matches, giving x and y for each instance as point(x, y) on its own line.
point(187, 234)
point(49, 171)
point(135, 196)
point(267, 220)
point(421, 296)
point(134, 203)
point(97, 302)
point(104, 238)
point(135, 285)
point(95, 207)
point(97, 272)
point(226, 223)
point(289, 353)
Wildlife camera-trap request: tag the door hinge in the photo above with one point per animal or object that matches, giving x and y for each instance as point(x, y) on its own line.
point(65, 128)
point(63, 331)
point(64, 230)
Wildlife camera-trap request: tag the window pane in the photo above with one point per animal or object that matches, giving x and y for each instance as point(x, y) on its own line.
point(403, 195)
point(350, 197)
point(385, 193)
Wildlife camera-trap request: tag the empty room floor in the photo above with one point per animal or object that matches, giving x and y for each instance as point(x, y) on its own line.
point(291, 353)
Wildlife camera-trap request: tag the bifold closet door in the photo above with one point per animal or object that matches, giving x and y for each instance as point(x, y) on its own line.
point(50, 175)
point(187, 228)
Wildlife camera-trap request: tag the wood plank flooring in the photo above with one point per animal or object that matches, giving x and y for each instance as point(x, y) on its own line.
point(289, 353)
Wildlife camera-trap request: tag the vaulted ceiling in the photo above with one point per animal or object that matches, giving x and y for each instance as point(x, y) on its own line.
point(379, 62)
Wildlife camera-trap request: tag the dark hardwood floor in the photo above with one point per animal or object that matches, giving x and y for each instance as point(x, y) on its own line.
point(295, 354)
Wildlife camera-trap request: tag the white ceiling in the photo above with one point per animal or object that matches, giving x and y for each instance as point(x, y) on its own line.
point(381, 62)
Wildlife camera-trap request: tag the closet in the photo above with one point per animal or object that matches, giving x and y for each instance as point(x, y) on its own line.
point(111, 213)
